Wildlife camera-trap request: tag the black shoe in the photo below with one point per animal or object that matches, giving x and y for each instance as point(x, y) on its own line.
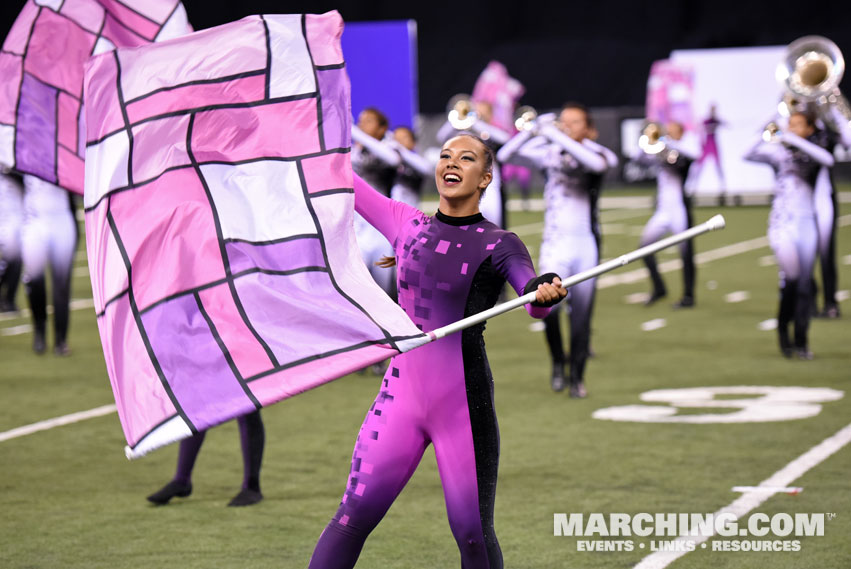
point(246, 497)
point(656, 295)
point(169, 491)
point(39, 345)
point(557, 379)
point(61, 349)
point(577, 390)
point(804, 354)
point(6, 306)
point(684, 302)
point(830, 311)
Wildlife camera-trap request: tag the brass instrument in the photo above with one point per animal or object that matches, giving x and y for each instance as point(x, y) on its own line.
point(525, 117)
point(811, 71)
point(650, 140)
point(769, 133)
point(460, 112)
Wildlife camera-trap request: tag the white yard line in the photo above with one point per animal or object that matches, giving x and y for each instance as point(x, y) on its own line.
point(752, 499)
point(57, 422)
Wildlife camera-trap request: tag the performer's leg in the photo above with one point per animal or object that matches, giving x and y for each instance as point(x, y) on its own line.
point(34, 251)
point(10, 276)
point(252, 437)
point(181, 484)
point(552, 332)
point(387, 451)
point(466, 446)
point(581, 301)
point(785, 313)
point(681, 223)
point(36, 289)
point(553, 260)
point(656, 227)
point(63, 244)
point(786, 253)
point(826, 214)
point(806, 248)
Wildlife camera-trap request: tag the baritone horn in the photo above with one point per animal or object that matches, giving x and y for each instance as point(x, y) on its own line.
point(769, 132)
point(811, 70)
point(460, 112)
point(650, 140)
point(525, 117)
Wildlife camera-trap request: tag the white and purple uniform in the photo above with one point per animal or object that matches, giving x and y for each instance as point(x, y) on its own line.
point(792, 230)
point(673, 209)
point(573, 171)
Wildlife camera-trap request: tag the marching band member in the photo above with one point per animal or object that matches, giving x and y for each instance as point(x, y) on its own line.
point(412, 171)
point(827, 210)
point(792, 228)
point(376, 162)
point(673, 209)
point(573, 167)
point(451, 265)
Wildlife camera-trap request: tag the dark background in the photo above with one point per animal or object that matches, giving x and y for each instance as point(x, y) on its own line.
point(595, 52)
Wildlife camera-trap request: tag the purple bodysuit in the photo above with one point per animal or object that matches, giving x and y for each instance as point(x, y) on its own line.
point(441, 393)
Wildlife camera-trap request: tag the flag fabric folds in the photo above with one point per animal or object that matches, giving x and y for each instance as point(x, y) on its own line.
point(219, 207)
point(41, 63)
point(495, 86)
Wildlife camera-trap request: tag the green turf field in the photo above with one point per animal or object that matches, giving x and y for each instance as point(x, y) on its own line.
point(69, 498)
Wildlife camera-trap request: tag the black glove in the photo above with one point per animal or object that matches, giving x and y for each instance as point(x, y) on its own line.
point(532, 286)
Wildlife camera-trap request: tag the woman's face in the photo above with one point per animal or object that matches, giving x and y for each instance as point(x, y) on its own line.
point(460, 172)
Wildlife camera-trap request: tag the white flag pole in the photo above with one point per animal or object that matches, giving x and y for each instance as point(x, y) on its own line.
point(714, 223)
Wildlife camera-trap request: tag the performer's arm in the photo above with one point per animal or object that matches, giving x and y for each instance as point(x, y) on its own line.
point(814, 151)
point(764, 152)
point(486, 131)
point(525, 149)
point(377, 148)
point(414, 160)
point(587, 157)
point(686, 146)
point(381, 212)
point(611, 158)
point(512, 261)
point(843, 126)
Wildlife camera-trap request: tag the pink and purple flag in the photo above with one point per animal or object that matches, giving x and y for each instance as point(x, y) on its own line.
point(670, 92)
point(41, 64)
point(219, 207)
point(502, 91)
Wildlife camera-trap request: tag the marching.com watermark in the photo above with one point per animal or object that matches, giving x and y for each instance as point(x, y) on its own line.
point(687, 532)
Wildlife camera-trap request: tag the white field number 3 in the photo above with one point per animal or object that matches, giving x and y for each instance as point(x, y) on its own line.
point(732, 404)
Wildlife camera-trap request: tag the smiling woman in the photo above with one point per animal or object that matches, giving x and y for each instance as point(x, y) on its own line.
point(463, 158)
point(450, 266)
